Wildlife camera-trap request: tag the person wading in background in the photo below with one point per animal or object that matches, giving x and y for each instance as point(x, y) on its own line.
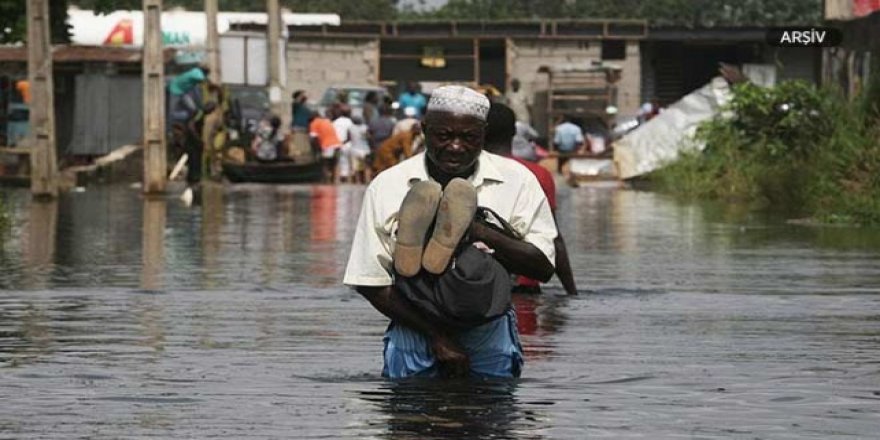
point(500, 132)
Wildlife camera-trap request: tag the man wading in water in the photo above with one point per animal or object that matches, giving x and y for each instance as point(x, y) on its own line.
point(421, 257)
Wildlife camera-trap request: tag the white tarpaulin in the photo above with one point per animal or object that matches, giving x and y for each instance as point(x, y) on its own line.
point(661, 139)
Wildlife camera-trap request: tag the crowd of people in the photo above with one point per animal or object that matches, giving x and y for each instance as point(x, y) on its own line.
point(355, 145)
point(355, 148)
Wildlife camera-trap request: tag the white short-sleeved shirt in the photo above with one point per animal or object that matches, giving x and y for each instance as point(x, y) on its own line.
point(342, 124)
point(502, 184)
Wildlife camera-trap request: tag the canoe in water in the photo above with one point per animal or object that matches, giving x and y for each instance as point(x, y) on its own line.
point(273, 172)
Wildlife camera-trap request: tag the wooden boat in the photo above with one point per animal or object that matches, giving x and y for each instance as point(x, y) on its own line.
point(273, 172)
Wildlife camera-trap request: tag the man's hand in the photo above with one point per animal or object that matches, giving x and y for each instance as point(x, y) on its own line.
point(452, 359)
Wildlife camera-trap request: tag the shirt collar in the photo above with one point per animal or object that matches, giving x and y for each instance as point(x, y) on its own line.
point(486, 170)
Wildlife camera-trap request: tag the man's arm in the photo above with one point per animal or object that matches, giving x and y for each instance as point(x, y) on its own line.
point(519, 257)
point(388, 301)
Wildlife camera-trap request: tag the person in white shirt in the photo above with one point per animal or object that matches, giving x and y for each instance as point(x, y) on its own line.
point(455, 124)
point(519, 102)
point(360, 149)
point(343, 123)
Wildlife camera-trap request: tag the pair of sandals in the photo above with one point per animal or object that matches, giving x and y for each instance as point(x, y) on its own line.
point(450, 211)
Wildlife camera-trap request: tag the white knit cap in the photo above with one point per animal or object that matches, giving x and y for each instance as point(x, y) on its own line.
point(459, 100)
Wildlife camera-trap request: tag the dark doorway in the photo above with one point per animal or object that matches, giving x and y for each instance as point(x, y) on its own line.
point(680, 68)
point(493, 63)
point(450, 60)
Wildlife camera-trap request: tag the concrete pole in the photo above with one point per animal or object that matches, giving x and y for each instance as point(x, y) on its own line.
point(276, 89)
point(44, 164)
point(155, 162)
point(213, 41)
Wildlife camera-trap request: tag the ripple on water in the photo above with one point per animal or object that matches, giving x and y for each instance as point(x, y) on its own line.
point(148, 319)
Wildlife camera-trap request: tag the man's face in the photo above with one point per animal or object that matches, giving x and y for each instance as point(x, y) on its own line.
point(453, 142)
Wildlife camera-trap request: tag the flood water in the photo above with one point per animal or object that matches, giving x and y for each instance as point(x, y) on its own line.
point(129, 318)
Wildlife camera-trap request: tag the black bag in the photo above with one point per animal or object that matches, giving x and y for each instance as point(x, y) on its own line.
point(473, 291)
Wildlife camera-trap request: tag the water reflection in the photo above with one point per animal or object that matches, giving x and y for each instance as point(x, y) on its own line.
point(150, 319)
point(151, 315)
point(213, 212)
point(538, 319)
point(427, 409)
point(323, 213)
point(40, 247)
point(153, 243)
point(324, 264)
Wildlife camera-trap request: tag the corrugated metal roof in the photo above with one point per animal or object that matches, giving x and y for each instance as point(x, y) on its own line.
point(80, 54)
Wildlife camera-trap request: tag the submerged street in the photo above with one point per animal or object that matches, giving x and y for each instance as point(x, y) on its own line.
point(129, 318)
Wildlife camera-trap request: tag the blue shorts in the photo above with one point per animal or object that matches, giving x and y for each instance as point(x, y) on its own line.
point(493, 349)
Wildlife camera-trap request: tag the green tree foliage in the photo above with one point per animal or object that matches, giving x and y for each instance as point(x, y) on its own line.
point(13, 23)
point(793, 146)
point(348, 9)
point(657, 12)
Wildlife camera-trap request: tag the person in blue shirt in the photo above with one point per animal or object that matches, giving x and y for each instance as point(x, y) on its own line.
point(185, 100)
point(568, 138)
point(413, 97)
point(185, 82)
point(300, 110)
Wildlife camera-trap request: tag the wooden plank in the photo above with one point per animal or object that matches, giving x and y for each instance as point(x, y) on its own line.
point(597, 97)
point(15, 150)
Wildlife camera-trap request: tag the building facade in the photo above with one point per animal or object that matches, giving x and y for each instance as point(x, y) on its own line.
point(475, 53)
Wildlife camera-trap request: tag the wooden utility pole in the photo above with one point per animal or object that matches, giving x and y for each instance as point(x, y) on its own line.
point(44, 164)
point(213, 41)
point(273, 37)
point(155, 166)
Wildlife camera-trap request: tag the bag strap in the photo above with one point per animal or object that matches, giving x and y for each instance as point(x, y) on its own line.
point(493, 220)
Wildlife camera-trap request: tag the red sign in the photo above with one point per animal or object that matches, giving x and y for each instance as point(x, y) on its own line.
point(862, 8)
point(121, 34)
